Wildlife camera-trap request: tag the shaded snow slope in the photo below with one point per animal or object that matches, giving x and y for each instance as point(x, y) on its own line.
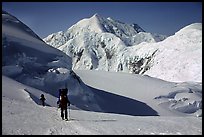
point(26, 58)
point(9, 23)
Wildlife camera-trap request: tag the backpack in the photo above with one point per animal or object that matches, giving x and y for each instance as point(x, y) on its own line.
point(63, 91)
point(63, 102)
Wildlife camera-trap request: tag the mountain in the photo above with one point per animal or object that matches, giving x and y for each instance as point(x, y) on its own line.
point(129, 34)
point(97, 43)
point(101, 102)
point(29, 60)
point(93, 43)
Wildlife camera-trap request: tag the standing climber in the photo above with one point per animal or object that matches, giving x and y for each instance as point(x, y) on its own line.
point(63, 103)
point(42, 98)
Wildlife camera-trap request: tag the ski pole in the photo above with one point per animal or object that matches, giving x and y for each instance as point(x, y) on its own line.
point(69, 112)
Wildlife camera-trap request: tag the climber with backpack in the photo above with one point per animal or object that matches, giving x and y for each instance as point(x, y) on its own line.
point(63, 102)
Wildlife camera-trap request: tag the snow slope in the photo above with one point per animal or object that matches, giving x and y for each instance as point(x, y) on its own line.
point(159, 97)
point(97, 43)
point(27, 58)
point(179, 57)
point(22, 113)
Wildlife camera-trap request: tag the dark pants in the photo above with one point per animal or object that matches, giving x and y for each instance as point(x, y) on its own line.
point(43, 103)
point(62, 113)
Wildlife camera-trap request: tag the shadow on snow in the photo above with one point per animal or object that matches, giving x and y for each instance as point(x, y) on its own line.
point(113, 103)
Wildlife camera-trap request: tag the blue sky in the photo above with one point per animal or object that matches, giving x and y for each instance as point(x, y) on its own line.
point(165, 18)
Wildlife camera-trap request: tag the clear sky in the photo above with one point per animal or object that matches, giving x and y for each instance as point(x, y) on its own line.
point(165, 18)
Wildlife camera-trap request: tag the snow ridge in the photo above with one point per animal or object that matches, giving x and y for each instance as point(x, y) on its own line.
point(11, 21)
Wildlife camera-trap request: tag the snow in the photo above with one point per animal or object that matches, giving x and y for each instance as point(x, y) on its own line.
point(97, 43)
point(183, 52)
point(22, 114)
point(158, 92)
point(27, 59)
point(11, 70)
point(102, 102)
point(17, 34)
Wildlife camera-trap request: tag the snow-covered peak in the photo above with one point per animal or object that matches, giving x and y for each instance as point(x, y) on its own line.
point(91, 24)
point(96, 16)
point(96, 24)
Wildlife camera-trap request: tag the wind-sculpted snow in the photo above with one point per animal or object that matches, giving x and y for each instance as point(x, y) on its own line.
point(185, 98)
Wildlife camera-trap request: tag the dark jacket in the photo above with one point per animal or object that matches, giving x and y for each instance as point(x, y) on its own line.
point(42, 97)
point(63, 102)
